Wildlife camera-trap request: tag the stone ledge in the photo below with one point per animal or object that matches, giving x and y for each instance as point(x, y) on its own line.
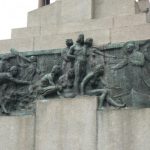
point(86, 25)
point(58, 41)
point(25, 32)
point(124, 34)
point(52, 29)
point(21, 44)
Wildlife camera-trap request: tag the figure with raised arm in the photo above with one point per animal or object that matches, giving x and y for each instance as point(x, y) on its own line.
point(93, 84)
point(5, 79)
point(29, 65)
point(131, 56)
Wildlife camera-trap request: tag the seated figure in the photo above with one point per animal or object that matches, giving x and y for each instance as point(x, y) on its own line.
point(66, 82)
point(90, 86)
point(48, 82)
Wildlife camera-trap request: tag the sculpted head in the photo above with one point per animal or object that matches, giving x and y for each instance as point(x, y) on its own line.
point(89, 42)
point(14, 71)
point(71, 73)
point(80, 39)
point(69, 42)
point(129, 47)
point(33, 59)
point(99, 70)
point(56, 70)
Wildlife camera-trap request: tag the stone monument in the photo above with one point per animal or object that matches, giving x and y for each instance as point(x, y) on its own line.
point(77, 77)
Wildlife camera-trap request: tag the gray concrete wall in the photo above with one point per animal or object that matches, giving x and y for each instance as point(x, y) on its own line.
point(17, 133)
point(66, 124)
point(49, 14)
point(124, 129)
point(76, 10)
point(75, 124)
point(107, 8)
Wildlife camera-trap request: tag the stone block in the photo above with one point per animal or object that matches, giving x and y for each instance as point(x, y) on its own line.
point(66, 124)
point(58, 41)
point(49, 14)
point(34, 18)
point(124, 129)
point(25, 32)
point(76, 10)
point(130, 20)
point(107, 8)
point(142, 6)
point(17, 133)
point(21, 44)
point(92, 24)
point(124, 34)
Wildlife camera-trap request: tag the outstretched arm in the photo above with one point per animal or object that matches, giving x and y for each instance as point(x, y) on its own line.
point(19, 81)
point(15, 52)
point(120, 65)
point(96, 51)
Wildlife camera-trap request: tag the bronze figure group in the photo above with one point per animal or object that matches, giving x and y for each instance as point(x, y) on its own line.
point(118, 77)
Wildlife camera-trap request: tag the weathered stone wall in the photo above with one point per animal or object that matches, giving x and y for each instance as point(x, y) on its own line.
point(17, 133)
point(124, 129)
point(76, 10)
point(66, 124)
point(77, 125)
point(107, 21)
point(108, 8)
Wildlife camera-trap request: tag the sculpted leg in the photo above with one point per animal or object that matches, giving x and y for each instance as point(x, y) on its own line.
point(101, 95)
point(77, 77)
point(48, 90)
point(113, 103)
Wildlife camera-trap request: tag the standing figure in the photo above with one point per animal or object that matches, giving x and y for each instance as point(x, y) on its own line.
point(133, 63)
point(77, 53)
point(93, 84)
point(30, 68)
point(28, 65)
point(92, 53)
point(67, 63)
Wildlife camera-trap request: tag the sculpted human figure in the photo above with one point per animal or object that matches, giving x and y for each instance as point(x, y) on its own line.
point(67, 63)
point(93, 84)
point(5, 79)
point(29, 65)
point(133, 63)
point(48, 84)
point(78, 54)
point(92, 52)
point(66, 82)
point(131, 56)
point(4, 65)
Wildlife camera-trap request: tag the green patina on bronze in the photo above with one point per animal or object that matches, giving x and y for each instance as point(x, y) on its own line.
point(118, 74)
